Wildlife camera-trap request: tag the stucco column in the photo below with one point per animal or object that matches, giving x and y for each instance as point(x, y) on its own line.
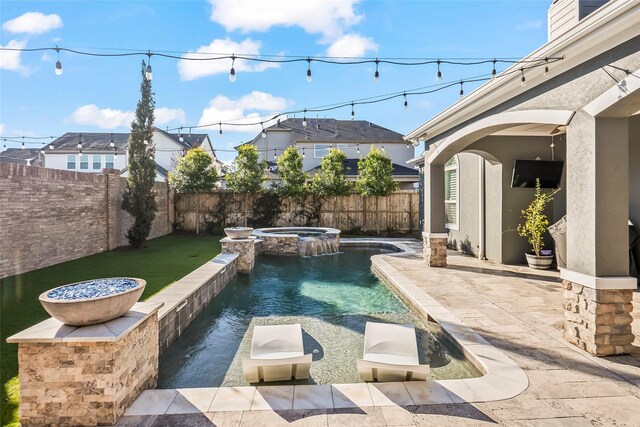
point(434, 235)
point(596, 281)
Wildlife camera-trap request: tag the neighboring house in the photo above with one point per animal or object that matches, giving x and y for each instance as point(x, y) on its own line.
point(584, 111)
point(22, 156)
point(91, 152)
point(354, 137)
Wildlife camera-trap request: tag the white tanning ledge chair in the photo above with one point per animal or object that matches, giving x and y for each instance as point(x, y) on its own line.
point(277, 354)
point(391, 354)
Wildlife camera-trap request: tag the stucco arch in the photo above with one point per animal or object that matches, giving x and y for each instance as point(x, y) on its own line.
point(464, 137)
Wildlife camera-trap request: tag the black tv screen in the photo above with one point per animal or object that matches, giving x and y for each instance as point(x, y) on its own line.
point(525, 173)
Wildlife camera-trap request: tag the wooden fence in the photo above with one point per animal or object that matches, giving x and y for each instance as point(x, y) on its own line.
point(397, 212)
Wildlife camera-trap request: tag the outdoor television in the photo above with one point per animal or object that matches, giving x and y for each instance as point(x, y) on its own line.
point(525, 173)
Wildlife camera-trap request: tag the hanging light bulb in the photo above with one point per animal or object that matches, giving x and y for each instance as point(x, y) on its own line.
point(303, 155)
point(189, 132)
point(406, 104)
point(376, 75)
point(304, 118)
point(353, 113)
point(461, 89)
point(232, 72)
point(275, 154)
point(180, 138)
point(494, 72)
point(58, 63)
point(382, 147)
point(264, 134)
point(308, 70)
point(546, 68)
point(51, 147)
point(149, 74)
point(23, 144)
point(112, 144)
point(358, 149)
point(220, 125)
point(439, 75)
point(523, 80)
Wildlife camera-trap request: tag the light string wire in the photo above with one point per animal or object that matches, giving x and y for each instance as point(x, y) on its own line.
point(324, 108)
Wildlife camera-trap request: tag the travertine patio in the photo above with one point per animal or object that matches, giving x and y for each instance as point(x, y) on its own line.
point(516, 309)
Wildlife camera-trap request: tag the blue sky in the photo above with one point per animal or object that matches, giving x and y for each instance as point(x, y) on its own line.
point(100, 94)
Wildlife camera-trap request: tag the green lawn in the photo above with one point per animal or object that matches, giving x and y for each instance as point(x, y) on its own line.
point(161, 262)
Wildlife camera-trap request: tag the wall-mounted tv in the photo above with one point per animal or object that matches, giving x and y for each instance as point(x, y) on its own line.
point(525, 173)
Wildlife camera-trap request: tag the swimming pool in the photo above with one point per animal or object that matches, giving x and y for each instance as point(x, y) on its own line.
point(332, 297)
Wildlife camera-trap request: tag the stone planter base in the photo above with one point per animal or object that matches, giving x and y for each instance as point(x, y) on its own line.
point(598, 320)
point(542, 262)
point(435, 251)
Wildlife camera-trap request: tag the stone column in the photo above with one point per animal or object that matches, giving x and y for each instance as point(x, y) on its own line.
point(434, 235)
point(245, 248)
point(597, 286)
point(112, 206)
point(86, 376)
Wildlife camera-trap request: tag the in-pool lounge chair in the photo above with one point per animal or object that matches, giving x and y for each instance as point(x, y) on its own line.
point(391, 354)
point(277, 354)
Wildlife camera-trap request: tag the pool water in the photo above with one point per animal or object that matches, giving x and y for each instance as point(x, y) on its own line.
point(332, 296)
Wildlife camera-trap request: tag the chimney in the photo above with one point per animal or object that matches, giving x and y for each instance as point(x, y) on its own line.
point(563, 15)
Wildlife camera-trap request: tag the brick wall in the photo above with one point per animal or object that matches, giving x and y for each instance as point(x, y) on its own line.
point(48, 216)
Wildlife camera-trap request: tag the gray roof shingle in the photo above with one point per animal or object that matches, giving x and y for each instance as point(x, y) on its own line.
point(19, 155)
point(350, 168)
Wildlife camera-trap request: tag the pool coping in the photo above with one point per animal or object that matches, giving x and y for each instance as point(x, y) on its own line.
point(502, 379)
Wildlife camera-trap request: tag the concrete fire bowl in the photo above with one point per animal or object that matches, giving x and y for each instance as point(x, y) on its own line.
point(92, 301)
point(238, 232)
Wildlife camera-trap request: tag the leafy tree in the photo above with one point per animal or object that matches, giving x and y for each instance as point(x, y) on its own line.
point(294, 179)
point(375, 174)
point(246, 174)
point(139, 198)
point(331, 179)
point(194, 174)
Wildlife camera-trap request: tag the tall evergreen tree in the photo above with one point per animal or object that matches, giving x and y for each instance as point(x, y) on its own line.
point(294, 179)
point(139, 198)
point(246, 174)
point(375, 174)
point(195, 175)
point(331, 179)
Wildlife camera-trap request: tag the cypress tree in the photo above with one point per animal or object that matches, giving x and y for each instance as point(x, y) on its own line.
point(139, 197)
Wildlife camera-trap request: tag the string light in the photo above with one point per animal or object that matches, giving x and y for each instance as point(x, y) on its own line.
point(149, 74)
point(189, 132)
point(23, 145)
point(220, 124)
point(275, 154)
point(58, 63)
point(353, 113)
point(494, 72)
point(376, 75)
point(358, 150)
point(304, 118)
point(461, 89)
point(523, 80)
point(232, 72)
point(264, 133)
point(308, 70)
point(112, 144)
point(546, 68)
point(406, 104)
point(439, 75)
point(180, 138)
point(303, 154)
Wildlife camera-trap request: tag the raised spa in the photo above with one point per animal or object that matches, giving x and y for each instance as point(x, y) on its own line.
point(332, 297)
point(302, 241)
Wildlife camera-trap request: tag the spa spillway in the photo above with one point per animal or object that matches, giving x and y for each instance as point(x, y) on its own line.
point(303, 241)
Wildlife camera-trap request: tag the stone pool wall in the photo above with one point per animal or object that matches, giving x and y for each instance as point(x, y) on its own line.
point(280, 245)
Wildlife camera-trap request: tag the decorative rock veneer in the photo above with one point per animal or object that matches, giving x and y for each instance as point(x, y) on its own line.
point(88, 375)
point(598, 320)
point(247, 250)
point(434, 250)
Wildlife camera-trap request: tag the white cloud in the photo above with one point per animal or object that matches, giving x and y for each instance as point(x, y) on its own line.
point(191, 70)
point(242, 111)
point(327, 17)
point(33, 23)
point(529, 25)
point(352, 45)
point(107, 118)
point(10, 59)
point(1, 129)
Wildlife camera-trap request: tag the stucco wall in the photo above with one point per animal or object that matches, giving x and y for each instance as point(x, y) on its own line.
point(634, 171)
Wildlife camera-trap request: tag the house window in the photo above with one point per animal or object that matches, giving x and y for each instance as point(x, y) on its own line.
point(108, 161)
point(71, 161)
point(451, 189)
point(97, 161)
point(320, 150)
point(84, 161)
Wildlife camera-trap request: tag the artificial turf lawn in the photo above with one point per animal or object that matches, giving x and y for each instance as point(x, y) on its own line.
point(160, 262)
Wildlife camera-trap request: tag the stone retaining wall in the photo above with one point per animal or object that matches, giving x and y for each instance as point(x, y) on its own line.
point(280, 245)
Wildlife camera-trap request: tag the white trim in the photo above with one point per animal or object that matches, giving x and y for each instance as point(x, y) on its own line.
point(435, 235)
point(611, 25)
point(594, 282)
point(484, 127)
point(612, 96)
point(454, 226)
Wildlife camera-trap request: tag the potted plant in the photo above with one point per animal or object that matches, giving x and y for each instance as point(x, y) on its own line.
point(534, 226)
